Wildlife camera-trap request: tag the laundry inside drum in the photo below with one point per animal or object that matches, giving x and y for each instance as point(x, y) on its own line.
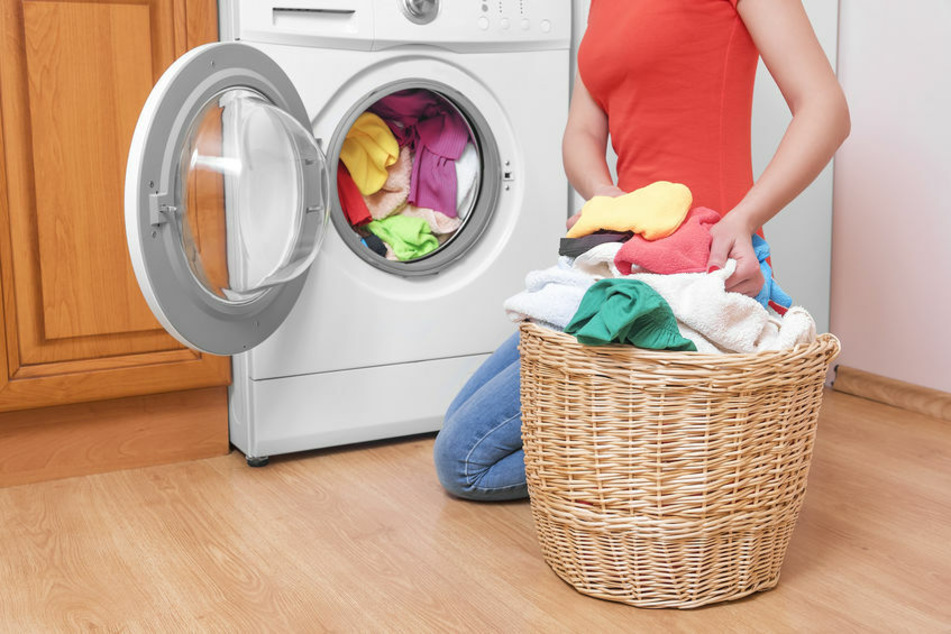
point(409, 175)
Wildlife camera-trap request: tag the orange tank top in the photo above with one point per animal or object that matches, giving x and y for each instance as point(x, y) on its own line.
point(675, 78)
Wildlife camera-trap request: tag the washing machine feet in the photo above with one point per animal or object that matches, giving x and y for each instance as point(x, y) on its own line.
point(260, 461)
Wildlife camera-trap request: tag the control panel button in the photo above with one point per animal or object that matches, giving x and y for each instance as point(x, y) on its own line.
point(484, 23)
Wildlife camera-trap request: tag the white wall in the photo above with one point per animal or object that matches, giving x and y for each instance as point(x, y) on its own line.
point(801, 235)
point(891, 282)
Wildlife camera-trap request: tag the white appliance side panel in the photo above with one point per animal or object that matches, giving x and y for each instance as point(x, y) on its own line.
point(352, 315)
point(336, 408)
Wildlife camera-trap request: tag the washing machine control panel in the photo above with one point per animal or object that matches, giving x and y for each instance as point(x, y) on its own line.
point(463, 26)
point(512, 15)
point(481, 25)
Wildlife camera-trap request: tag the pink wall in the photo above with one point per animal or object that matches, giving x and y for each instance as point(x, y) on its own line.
point(891, 239)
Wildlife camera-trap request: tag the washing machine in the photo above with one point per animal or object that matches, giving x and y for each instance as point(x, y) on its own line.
point(238, 225)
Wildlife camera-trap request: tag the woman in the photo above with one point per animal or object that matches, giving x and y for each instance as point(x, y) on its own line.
point(671, 83)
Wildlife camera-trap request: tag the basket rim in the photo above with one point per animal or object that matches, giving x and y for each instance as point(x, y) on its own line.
point(825, 343)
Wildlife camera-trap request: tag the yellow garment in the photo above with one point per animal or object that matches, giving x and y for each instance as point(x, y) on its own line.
point(654, 211)
point(367, 151)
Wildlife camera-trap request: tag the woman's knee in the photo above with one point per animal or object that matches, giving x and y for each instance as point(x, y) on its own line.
point(480, 467)
point(456, 478)
point(450, 466)
point(479, 431)
point(451, 457)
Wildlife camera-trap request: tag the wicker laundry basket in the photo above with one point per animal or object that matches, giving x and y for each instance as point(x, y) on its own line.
point(667, 479)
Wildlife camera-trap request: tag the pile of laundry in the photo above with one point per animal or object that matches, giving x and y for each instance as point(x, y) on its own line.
point(407, 174)
point(633, 270)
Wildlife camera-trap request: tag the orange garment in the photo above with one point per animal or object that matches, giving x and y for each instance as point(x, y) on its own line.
point(675, 78)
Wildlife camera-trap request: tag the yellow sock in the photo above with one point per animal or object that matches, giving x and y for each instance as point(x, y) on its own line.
point(654, 211)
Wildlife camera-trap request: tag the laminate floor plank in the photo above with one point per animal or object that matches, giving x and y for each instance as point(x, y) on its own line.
point(363, 539)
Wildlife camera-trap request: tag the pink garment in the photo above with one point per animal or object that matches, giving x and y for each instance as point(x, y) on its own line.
point(684, 251)
point(392, 196)
point(438, 134)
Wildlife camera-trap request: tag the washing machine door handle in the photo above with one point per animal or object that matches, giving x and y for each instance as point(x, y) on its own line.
point(227, 198)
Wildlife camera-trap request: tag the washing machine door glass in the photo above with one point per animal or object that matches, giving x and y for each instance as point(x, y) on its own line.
point(227, 198)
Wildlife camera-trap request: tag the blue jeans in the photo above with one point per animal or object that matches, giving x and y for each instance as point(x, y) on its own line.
point(478, 453)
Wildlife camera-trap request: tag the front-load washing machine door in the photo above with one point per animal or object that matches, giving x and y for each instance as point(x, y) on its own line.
point(226, 198)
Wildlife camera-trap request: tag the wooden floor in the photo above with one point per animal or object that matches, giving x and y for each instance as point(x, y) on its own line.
point(364, 540)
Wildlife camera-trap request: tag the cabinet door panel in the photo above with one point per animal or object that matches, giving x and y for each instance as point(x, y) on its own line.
point(73, 77)
point(88, 70)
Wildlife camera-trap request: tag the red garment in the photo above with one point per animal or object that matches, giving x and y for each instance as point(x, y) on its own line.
point(675, 78)
point(351, 200)
point(684, 251)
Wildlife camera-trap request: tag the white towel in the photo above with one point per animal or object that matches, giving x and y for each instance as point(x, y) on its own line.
point(598, 261)
point(467, 172)
point(798, 327)
point(716, 321)
point(551, 296)
point(698, 340)
point(730, 322)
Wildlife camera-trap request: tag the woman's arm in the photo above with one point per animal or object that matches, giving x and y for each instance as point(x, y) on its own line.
point(584, 146)
point(820, 123)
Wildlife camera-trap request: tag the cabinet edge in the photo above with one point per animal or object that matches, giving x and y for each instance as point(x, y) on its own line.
point(88, 438)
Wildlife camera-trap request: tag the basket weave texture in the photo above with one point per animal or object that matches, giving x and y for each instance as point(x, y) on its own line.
point(667, 479)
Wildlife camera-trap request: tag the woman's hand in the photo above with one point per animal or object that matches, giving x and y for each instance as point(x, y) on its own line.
point(733, 240)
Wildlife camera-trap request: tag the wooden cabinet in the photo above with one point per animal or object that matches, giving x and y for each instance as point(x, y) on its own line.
point(74, 327)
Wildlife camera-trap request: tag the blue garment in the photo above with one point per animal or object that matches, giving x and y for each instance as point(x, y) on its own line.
point(478, 453)
point(771, 292)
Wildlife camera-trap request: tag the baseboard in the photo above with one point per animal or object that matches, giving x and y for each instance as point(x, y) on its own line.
point(86, 438)
point(893, 392)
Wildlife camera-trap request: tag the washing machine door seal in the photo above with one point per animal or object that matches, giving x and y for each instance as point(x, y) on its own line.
point(223, 147)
